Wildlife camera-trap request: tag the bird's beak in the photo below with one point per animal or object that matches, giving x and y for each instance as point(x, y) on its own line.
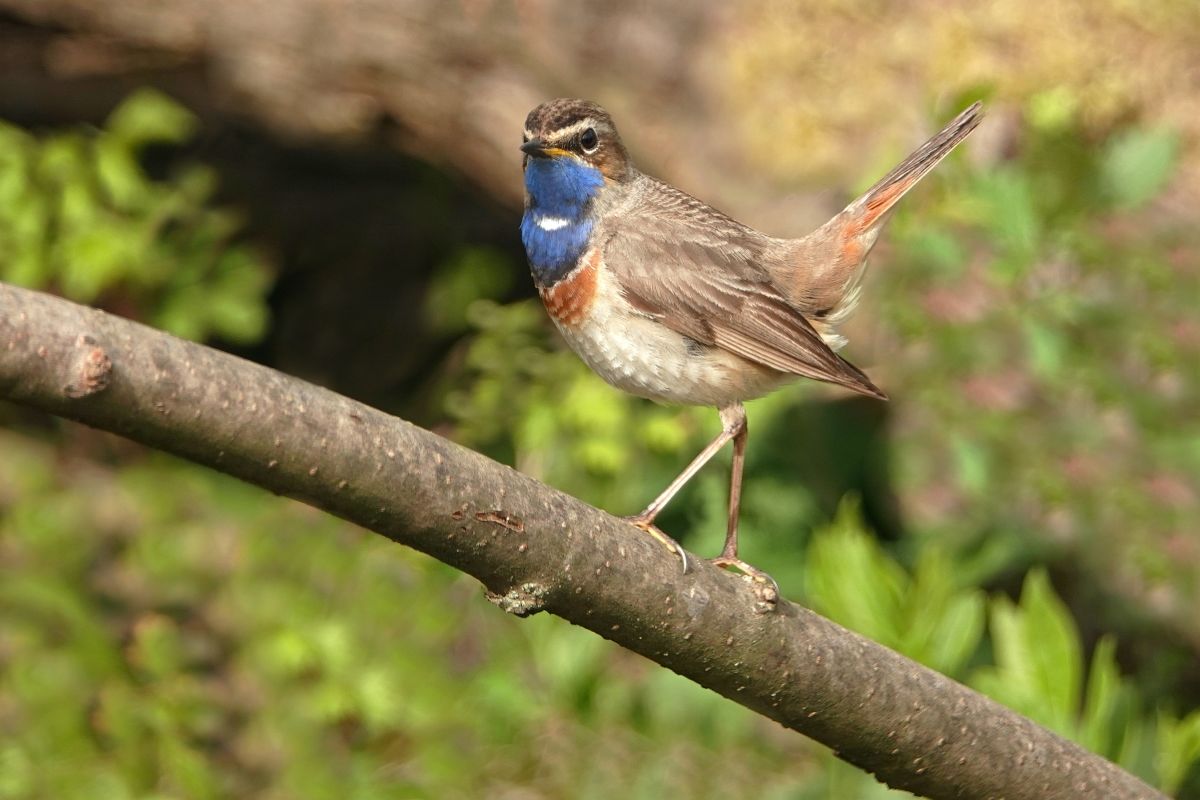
point(538, 149)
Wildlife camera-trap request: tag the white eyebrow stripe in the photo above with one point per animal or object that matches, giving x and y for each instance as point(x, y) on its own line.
point(569, 132)
point(552, 223)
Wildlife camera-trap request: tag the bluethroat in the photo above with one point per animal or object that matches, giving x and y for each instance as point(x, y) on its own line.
point(667, 298)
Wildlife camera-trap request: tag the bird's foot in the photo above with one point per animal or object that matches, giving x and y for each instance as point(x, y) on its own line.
point(765, 587)
point(647, 524)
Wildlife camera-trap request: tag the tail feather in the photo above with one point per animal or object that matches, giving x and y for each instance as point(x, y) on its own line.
point(882, 197)
point(828, 264)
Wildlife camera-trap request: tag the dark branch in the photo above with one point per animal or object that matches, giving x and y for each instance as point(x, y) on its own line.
point(535, 549)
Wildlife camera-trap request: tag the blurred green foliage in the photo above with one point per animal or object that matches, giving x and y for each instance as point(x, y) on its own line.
point(82, 216)
point(1048, 398)
point(171, 633)
point(1039, 664)
point(207, 641)
point(928, 614)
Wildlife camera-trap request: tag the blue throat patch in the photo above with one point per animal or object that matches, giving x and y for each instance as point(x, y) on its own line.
point(556, 226)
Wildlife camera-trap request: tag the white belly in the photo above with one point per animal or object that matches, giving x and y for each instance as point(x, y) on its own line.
point(634, 353)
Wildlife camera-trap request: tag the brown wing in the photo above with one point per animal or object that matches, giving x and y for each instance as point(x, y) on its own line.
point(698, 272)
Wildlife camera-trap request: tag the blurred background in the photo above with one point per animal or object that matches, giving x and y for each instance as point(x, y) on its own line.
point(334, 189)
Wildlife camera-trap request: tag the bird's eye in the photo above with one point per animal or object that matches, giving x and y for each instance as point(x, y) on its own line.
point(589, 141)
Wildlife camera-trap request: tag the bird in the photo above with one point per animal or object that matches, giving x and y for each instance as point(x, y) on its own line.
point(667, 298)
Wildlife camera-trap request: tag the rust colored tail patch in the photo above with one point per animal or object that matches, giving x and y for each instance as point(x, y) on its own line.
point(869, 209)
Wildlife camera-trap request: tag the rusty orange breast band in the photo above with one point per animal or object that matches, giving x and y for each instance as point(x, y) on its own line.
point(569, 300)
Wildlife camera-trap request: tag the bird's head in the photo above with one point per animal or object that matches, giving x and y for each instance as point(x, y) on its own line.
point(578, 131)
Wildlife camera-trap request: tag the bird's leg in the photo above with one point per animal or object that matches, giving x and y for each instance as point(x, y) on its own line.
point(731, 424)
point(729, 551)
point(735, 417)
point(688, 473)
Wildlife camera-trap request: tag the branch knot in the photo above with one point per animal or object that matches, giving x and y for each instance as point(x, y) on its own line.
point(524, 601)
point(91, 369)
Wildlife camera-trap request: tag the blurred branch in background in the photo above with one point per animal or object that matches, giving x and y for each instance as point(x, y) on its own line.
point(835, 81)
point(536, 549)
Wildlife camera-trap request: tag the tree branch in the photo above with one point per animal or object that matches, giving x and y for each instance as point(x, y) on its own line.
point(535, 549)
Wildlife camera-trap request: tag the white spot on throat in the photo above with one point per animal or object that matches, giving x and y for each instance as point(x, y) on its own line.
point(552, 223)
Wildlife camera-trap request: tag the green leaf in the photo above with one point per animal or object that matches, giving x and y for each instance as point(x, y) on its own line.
point(25, 268)
point(473, 273)
point(1047, 348)
point(1137, 165)
point(237, 317)
point(853, 582)
point(1106, 715)
point(1054, 109)
point(1053, 643)
point(956, 631)
point(187, 767)
point(663, 432)
point(17, 772)
point(1007, 205)
point(1178, 748)
point(150, 116)
point(96, 257)
point(119, 174)
point(1038, 656)
point(62, 161)
point(156, 646)
point(971, 464)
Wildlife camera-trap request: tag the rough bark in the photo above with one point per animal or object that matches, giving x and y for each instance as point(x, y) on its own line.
point(536, 549)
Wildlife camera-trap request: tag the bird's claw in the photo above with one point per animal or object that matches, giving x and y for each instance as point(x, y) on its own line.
point(640, 521)
point(765, 587)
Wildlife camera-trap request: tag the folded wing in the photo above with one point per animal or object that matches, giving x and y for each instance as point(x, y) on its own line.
point(699, 273)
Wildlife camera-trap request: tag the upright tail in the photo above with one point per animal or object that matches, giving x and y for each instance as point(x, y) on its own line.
point(870, 209)
point(830, 261)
